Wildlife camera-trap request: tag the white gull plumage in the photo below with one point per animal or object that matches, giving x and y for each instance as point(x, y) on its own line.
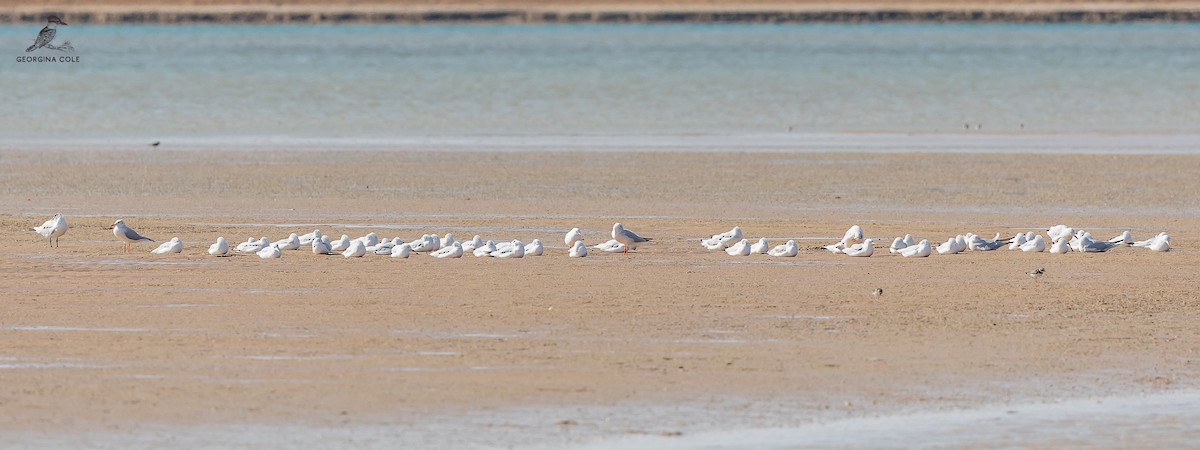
point(787, 249)
point(741, 248)
point(172, 246)
point(53, 229)
point(455, 250)
point(219, 248)
point(272, 251)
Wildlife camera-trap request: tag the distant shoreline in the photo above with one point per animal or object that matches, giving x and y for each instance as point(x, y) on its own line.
point(851, 13)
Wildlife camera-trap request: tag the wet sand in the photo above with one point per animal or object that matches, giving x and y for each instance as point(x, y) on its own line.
point(554, 350)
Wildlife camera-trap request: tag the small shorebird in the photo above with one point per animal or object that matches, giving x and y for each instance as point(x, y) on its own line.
point(47, 34)
point(1036, 273)
point(878, 292)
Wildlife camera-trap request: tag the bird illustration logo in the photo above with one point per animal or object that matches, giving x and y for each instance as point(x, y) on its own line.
point(46, 36)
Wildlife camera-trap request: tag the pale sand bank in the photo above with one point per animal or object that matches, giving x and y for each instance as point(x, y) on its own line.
point(558, 350)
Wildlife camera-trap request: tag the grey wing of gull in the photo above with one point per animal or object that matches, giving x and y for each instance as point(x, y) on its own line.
point(134, 236)
point(634, 237)
point(1101, 246)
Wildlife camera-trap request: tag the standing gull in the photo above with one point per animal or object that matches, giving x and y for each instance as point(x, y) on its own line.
point(53, 228)
point(127, 234)
point(627, 237)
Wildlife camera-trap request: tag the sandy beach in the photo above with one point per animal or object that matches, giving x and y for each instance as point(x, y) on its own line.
point(668, 340)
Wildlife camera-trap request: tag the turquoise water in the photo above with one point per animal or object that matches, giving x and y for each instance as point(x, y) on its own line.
point(410, 81)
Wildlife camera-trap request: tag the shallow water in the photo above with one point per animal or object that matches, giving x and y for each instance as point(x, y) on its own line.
point(1164, 420)
point(1157, 420)
point(658, 87)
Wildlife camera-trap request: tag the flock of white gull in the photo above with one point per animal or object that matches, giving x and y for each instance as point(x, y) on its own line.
point(1060, 239)
point(446, 246)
